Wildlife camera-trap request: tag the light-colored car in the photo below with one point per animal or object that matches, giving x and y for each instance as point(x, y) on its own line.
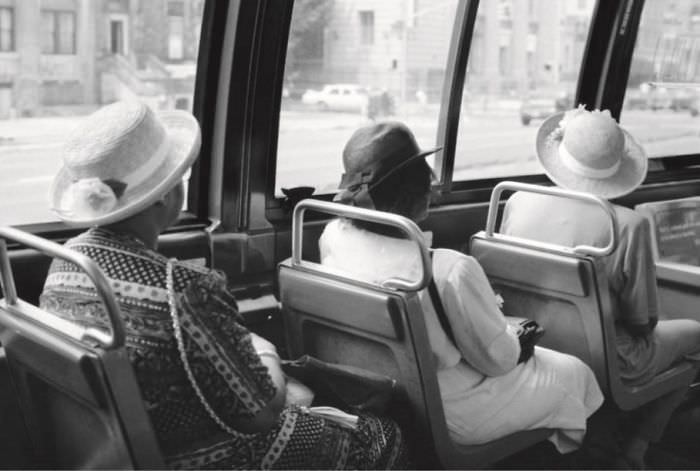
point(337, 97)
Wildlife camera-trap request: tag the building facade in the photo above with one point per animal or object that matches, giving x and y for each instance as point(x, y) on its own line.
point(401, 45)
point(88, 52)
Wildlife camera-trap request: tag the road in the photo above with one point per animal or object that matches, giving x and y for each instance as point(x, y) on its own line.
point(310, 148)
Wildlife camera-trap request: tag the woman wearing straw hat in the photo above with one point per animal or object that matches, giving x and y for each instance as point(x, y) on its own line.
point(491, 383)
point(587, 151)
point(214, 391)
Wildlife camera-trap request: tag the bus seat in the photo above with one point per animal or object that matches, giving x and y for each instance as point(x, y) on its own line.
point(566, 291)
point(675, 231)
point(75, 386)
point(379, 328)
point(14, 442)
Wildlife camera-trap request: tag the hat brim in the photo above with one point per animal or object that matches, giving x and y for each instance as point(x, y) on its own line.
point(631, 174)
point(184, 132)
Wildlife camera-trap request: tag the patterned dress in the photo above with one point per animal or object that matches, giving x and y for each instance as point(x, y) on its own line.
point(229, 372)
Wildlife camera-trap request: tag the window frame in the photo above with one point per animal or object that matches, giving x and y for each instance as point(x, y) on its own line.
point(57, 32)
point(601, 84)
point(367, 28)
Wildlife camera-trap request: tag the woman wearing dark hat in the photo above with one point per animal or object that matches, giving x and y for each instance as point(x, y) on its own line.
point(587, 151)
point(487, 392)
point(215, 392)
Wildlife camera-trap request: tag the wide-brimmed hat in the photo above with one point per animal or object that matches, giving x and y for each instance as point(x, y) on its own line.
point(374, 153)
point(123, 158)
point(588, 151)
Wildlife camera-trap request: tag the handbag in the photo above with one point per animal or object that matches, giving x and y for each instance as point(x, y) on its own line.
point(529, 334)
point(346, 387)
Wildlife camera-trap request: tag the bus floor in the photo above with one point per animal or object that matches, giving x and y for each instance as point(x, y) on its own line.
point(678, 449)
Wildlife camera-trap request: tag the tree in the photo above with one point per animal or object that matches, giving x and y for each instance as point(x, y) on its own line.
point(305, 46)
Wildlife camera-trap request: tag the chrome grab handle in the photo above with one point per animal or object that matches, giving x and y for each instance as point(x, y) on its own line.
point(341, 210)
point(93, 271)
point(553, 191)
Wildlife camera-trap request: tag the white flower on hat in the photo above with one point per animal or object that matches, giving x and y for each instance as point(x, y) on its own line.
point(571, 114)
point(90, 197)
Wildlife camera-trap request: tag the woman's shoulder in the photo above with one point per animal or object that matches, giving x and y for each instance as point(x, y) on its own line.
point(449, 261)
point(188, 273)
point(627, 217)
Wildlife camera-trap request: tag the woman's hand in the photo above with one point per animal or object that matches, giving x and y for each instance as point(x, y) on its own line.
point(267, 417)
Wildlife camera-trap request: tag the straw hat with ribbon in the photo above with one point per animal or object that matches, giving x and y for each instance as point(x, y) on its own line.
point(122, 159)
point(372, 154)
point(588, 151)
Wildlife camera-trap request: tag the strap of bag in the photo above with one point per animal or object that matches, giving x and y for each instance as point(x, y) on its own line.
point(177, 329)
point(439, 309)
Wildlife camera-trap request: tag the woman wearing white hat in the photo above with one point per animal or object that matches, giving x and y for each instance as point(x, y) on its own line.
point(587, 151)
point(215, 392)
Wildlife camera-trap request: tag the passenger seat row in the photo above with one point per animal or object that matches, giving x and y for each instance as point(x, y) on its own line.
point(70, 384)
point(381, 328)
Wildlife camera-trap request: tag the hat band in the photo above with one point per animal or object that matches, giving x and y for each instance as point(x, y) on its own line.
point(145, 171)
point(93, 197)
point(578, 168)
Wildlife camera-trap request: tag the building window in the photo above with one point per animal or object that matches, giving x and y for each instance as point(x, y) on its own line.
point(7, 29)
point(58, 32)
point(366, 27)
point(176, 30)
point(117, 36)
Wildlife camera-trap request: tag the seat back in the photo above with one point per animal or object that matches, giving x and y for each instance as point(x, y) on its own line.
point(566, 291)
point(379, 328)
point(675, 229)
point(76, 388)
point(675, 232)
point(560, 292)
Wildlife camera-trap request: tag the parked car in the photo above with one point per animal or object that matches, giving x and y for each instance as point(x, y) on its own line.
point(660, 98)
point(338, 97)
point(541, 106)
point(694, 102)
point(636, 99)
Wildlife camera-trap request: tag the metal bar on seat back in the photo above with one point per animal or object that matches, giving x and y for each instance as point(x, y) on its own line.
point(394, 220)
point(91, 269)
point(552, 191)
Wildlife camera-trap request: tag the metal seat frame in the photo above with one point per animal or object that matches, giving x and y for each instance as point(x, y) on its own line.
point(566, 290)
point(76, 388)
point(334, 317)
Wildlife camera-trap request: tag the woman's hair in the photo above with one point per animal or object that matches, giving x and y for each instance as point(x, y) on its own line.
point(401, 193)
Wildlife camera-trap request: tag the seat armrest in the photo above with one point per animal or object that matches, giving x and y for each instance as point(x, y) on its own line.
point(678, 273)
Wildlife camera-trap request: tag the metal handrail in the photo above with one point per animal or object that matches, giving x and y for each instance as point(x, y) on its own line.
point(552, 191)
point(91, 269)
point(394, 220)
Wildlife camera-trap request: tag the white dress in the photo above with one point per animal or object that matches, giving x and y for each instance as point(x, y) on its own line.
point(486, 394)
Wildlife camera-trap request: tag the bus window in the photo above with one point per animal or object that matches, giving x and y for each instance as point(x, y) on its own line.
point(662, 99)
point(349, 63)
point(64, 61)
point(523, 65)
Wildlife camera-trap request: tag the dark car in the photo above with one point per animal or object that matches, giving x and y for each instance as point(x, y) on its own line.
point(541, 106)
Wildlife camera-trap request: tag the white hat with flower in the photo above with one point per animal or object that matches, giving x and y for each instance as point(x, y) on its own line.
point(588, 151)
point(122, 159)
